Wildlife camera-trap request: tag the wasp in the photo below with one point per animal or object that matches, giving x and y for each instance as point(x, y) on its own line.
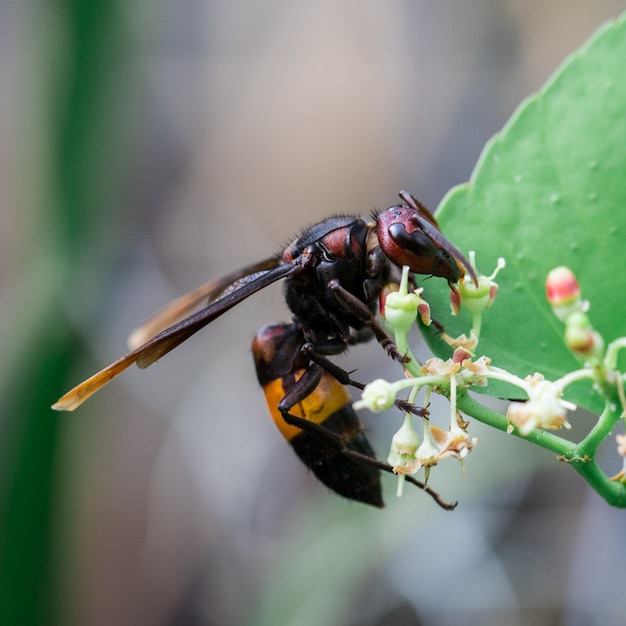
point(334, 273)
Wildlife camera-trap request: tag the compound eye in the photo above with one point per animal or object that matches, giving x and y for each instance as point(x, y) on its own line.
point(414, 242)
point(404, 241)
point(409, 235)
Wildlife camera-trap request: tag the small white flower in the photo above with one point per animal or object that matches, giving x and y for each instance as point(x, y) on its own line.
point(403, 445)
point(378, 396)
point(544, 408)
point(476, 298)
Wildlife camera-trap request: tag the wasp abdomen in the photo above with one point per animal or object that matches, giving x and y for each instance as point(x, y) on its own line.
point(277, 354)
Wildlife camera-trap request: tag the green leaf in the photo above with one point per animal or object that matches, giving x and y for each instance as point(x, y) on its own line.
point(549, 190)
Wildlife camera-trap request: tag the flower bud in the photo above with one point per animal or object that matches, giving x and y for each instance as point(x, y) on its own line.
point(476, 298)
point(405, 441)
point(401, 309)
point(379, 395)
point(402, 452)
point(581, 338)
point(563, 292)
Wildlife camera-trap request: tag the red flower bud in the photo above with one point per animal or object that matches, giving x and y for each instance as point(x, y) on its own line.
point(563, 293)
point(562, 287)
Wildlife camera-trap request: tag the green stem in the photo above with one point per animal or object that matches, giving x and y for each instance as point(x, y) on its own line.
point(492, 418)
point(574, 376)
point(577, 455)
point(477, 322)
point(403, 346)
point(613, 351)
point(613, 491)
point(607, 420)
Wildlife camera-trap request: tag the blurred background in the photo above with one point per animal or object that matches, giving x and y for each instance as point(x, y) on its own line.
point(149, 146)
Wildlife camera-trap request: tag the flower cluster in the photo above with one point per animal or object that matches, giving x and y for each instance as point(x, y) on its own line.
point(408, 456)
point(545, 408)
point(462, 370)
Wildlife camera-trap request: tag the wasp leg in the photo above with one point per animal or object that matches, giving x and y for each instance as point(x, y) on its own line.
point(362, 335)
point(352, 304)
point(337, 442)
point(344, 378)
point(385, 467)
point(301, 390)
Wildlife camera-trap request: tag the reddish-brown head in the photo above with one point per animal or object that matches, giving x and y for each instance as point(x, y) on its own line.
point(410, 236)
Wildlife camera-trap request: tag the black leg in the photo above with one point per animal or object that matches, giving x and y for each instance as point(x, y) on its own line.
point(300, 390)
point(306, 385)
point(344, 378)
point(352, 304)
point(385, 467)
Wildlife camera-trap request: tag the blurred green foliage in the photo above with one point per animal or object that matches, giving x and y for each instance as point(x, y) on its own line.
point(82, 68)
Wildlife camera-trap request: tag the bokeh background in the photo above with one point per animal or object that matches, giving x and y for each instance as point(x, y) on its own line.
point(146, 147)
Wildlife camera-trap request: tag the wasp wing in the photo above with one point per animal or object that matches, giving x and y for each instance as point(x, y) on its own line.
point(173, 336)
point(184, 305)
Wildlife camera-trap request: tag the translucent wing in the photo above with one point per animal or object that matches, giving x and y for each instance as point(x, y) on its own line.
point(184, 305)
point(159, 345)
